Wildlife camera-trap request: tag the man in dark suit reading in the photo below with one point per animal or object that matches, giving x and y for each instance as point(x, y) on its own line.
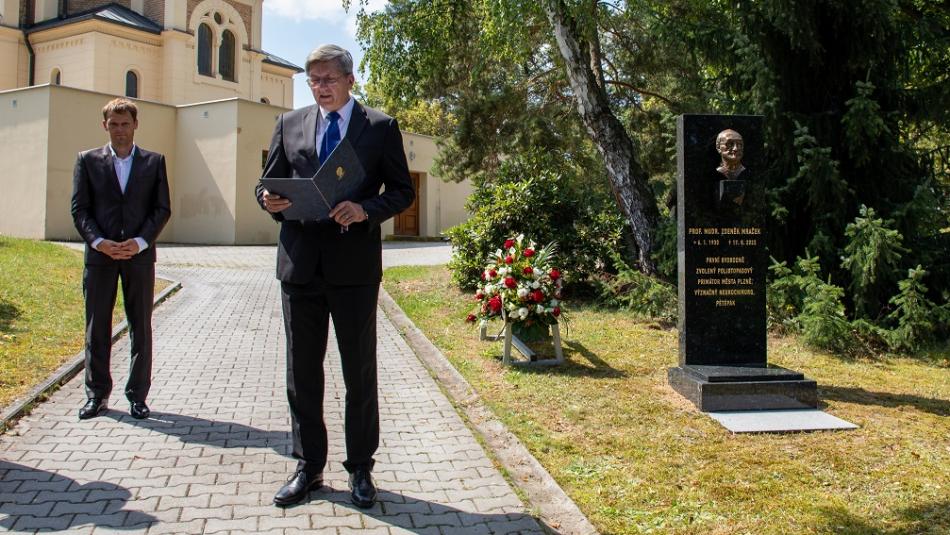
point(332, 268)
point(120, 204)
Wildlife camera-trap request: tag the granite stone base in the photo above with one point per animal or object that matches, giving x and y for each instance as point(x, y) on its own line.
point(743, 388)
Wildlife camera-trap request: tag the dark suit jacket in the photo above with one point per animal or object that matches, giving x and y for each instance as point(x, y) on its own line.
point(353, 257)
point(101, 210)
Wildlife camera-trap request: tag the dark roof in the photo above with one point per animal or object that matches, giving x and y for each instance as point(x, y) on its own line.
point(110, 13)
point(281, 62)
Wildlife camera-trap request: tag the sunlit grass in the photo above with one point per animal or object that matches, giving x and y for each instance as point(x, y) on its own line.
point(638, 458)
point(41, 312)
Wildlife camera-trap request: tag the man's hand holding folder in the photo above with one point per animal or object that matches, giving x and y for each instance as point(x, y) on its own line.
point(328, 195)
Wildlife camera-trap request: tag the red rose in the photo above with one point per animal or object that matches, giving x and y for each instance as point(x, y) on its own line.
point(556, 312)
point(509, 244)
point(510, 282)
point(528, 270)
point(495, 304)
point(492, 273)
point(537, 296)
point(471, 318)
point(509, 259)
point(479, 295)
point(555, 274)
point(483, 275)
point(529, 252)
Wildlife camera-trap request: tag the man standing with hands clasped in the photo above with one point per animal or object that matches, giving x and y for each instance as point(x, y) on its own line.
point(120, 204)
point(333, 268)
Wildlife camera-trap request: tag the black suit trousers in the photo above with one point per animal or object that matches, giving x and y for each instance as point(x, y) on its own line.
point(100, 284)
point(307, 309)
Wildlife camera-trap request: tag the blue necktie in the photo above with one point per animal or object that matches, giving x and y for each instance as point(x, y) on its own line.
point(331, 138)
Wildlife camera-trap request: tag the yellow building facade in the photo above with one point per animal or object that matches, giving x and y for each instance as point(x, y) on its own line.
point(207, 95)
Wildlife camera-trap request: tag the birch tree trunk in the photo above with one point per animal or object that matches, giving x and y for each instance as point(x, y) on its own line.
point(627, 178)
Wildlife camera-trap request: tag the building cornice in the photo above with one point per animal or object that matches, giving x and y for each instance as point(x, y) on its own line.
point(94, 26)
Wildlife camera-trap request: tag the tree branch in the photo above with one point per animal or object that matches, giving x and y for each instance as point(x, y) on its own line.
point(642, 91)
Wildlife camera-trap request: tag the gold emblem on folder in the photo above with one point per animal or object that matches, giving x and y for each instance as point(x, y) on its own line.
point(339, 173)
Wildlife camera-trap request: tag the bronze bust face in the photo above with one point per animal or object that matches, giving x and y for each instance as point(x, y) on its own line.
point(730, 147)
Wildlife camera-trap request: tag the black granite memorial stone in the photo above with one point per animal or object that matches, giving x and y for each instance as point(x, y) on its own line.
point(723, 262)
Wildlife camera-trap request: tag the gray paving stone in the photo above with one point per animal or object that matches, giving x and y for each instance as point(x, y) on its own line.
point(217, 445)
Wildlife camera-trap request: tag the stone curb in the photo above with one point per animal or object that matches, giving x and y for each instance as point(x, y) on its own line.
point(67, 371)
point(556, 509)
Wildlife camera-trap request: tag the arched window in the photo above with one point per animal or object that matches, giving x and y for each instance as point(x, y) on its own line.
point(226, 56)
point(131, 84)
point(55, 77)
point(204, 50)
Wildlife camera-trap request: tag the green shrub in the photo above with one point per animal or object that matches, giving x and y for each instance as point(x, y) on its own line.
point(641, 294)
point(785, 296)
point(871, 255)
point(917, 318)
point(528, 197)
point(822, 320)
point(798, 300)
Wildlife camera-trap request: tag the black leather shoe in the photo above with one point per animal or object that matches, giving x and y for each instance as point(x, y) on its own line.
point(363, 491)
point(139, 410)
point(94, 407)
point(297, 487)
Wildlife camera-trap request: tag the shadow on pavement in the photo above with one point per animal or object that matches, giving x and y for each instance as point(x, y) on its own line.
point(417, 515)
point(192, 430)
point(37, 500)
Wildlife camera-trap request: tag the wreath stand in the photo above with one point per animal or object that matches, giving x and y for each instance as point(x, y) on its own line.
point(512, 340)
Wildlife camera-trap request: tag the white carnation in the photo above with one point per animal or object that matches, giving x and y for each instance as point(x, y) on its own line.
point(522, 292)
point(523, 312)
point(535, 285)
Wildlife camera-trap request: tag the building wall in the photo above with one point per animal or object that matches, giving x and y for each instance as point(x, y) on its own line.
point(144, 59)
point(82, 111)
point(13, 58)
point(255, 126)
point(155, 10)
point(78, 6)
point(24, 134)
point(213, 154)
point(96, 55)
point(10, 13)
point(204, 203)
point(277, 89)
point(74, 56)
point(243, 11)
point(441, 204)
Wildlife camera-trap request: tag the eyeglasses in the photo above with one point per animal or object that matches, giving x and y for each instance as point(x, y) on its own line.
point(327, 81)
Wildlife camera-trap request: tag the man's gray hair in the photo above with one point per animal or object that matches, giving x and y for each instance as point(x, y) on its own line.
point(333, 53)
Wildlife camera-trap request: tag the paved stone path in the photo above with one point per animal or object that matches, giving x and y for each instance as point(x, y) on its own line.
point(217, 446)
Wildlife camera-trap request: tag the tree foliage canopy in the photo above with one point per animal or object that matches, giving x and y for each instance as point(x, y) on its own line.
point(856, 99)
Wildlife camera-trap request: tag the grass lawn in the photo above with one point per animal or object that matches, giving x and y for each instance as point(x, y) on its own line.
point(638, 458)
point(41, 312)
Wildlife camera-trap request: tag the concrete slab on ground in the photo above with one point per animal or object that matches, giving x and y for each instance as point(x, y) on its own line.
point(779, 421)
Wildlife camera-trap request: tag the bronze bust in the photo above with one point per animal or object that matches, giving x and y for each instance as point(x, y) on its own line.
point(730, 147)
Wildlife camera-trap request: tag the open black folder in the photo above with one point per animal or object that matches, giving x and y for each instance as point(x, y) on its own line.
point(338, 179)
